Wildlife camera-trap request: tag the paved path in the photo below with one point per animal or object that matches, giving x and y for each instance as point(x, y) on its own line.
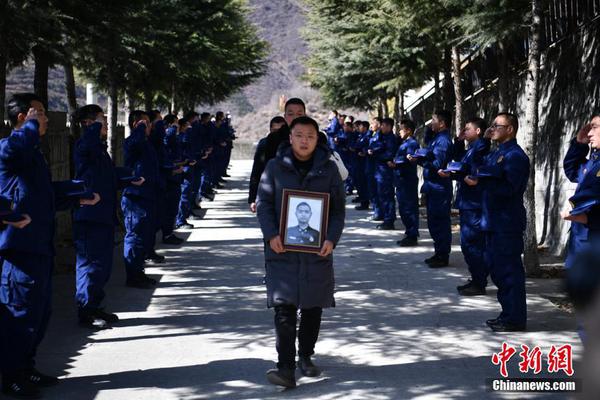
point(400, 330)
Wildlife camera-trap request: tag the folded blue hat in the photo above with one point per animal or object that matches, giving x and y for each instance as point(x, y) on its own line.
point(489, 171)
point(400, 160)
point(584, 206)
point(422, 153)
point(456, 168)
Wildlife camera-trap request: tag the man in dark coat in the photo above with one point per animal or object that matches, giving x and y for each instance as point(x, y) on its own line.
point(302, 281)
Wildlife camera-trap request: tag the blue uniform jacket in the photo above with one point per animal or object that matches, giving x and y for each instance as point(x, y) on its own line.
point(406, 170)
point(440, 148)
point(502, 208)
point(173, 151)
point(140, 156)
point(383, 147)
point(94, 166)
point(469, 197)
point(586, 173)
point(25, 180)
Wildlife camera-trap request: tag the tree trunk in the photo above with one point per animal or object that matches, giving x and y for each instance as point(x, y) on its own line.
point(380, 108)
point(436, 92)
point(448, 100)
point(458, 97)
point(3, 72)
point(401, 106)
point(126, 110)
point(503, 100)
point(147, 100)
point(531, 259)
point(40, 77)
point(384, 107)
point(112, 106)
point(71, 94)
point(396, 114)
point(173, 96)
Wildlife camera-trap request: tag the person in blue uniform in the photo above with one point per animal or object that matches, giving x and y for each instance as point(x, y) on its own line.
point(584, 235)
point(139, 202)
point(341, 143)
point(406, 182)
point(360, 147)
point(371, 168)
point(27, 250)
point(504, 177)
point(333, 127)
point(186, 200)
point(438, 190)
point(207, 139)
point(173, 178)
point(383, 149)
point(94, 226)
point(468, 202)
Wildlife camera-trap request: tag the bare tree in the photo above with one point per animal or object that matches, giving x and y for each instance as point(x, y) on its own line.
point(458, 97)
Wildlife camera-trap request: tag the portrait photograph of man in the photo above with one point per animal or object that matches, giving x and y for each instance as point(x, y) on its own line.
point(304, 222)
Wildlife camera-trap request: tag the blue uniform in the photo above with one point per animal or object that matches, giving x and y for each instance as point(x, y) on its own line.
point(139, 202)
point(187, 146)
point(384, 148)
point(370, 176)
point(503, 221)
point(360, 146)
point(468, 201)
point(583, 171)
point(342, 142)
point(406, 182)
point(332, 130)
point(28, 253)
point(174, 155)
point(438, 192)
point(93, 226)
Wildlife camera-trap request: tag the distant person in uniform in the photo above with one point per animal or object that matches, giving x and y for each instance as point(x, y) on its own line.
point(303, 233)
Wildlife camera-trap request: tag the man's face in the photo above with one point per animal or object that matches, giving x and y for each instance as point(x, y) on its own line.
point(471, 132)
point(501, 130)
point(437, 125)
point(405, 131)
point(303, 214)
point(293, 111)
point(594, 133)
point(362, 128)
point(386, 128)
point(102, 118)
point(146, 119)
point(375, 125)
point(276, 126)
point(41, 116)
point(304, 141)
point(348, 128)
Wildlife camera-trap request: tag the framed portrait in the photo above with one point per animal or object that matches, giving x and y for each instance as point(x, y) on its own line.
point(303, 223)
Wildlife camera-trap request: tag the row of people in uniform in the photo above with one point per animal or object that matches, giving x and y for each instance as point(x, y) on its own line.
point(169, 164)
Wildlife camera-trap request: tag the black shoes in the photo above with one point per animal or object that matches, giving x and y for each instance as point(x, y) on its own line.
point(307, 367)
point(20, 389)
point(141, 281)
point(385, 227)
point(194, 217)
point(172, 240)
point(471, 289)
point(500, 326)
point(437, 261)
point(36, 378)
point(282, 377)
point(362, 207)
point(185, 225)
point(155, 258)
point(356, 200)
point(376, 219)
point(89, 320)
point(407, 242)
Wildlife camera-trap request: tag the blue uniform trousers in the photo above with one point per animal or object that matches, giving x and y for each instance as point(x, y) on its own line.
point(360, 178)
point(94, 244)
point(438, 220)
point(472, 243)
point(407, 196)
point(140, 225)
point(372, 188)
point(384, 176)
point(25, 298)
point(171, 207)
point(186, 198)
point(503, 257)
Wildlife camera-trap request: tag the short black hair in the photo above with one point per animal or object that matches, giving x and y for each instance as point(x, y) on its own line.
point(388, 122)
point(170, 119)
point(479, 123)
point(365, 124)
point(89, 111)
point(294, 100)
point(190, 115)
point(277, 120)
point(135, 116)
point(304, 120)
point(335, 112)
point(205, 115)
point(409, 123)
point(220, 115)
point(378, 119)
point(444, 115)
point(20, 103)
point(152, 114)
point(511, 119)
point(182, 121)
point(303, 203)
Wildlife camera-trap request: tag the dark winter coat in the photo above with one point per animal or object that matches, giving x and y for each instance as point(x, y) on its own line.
point(305, 280)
